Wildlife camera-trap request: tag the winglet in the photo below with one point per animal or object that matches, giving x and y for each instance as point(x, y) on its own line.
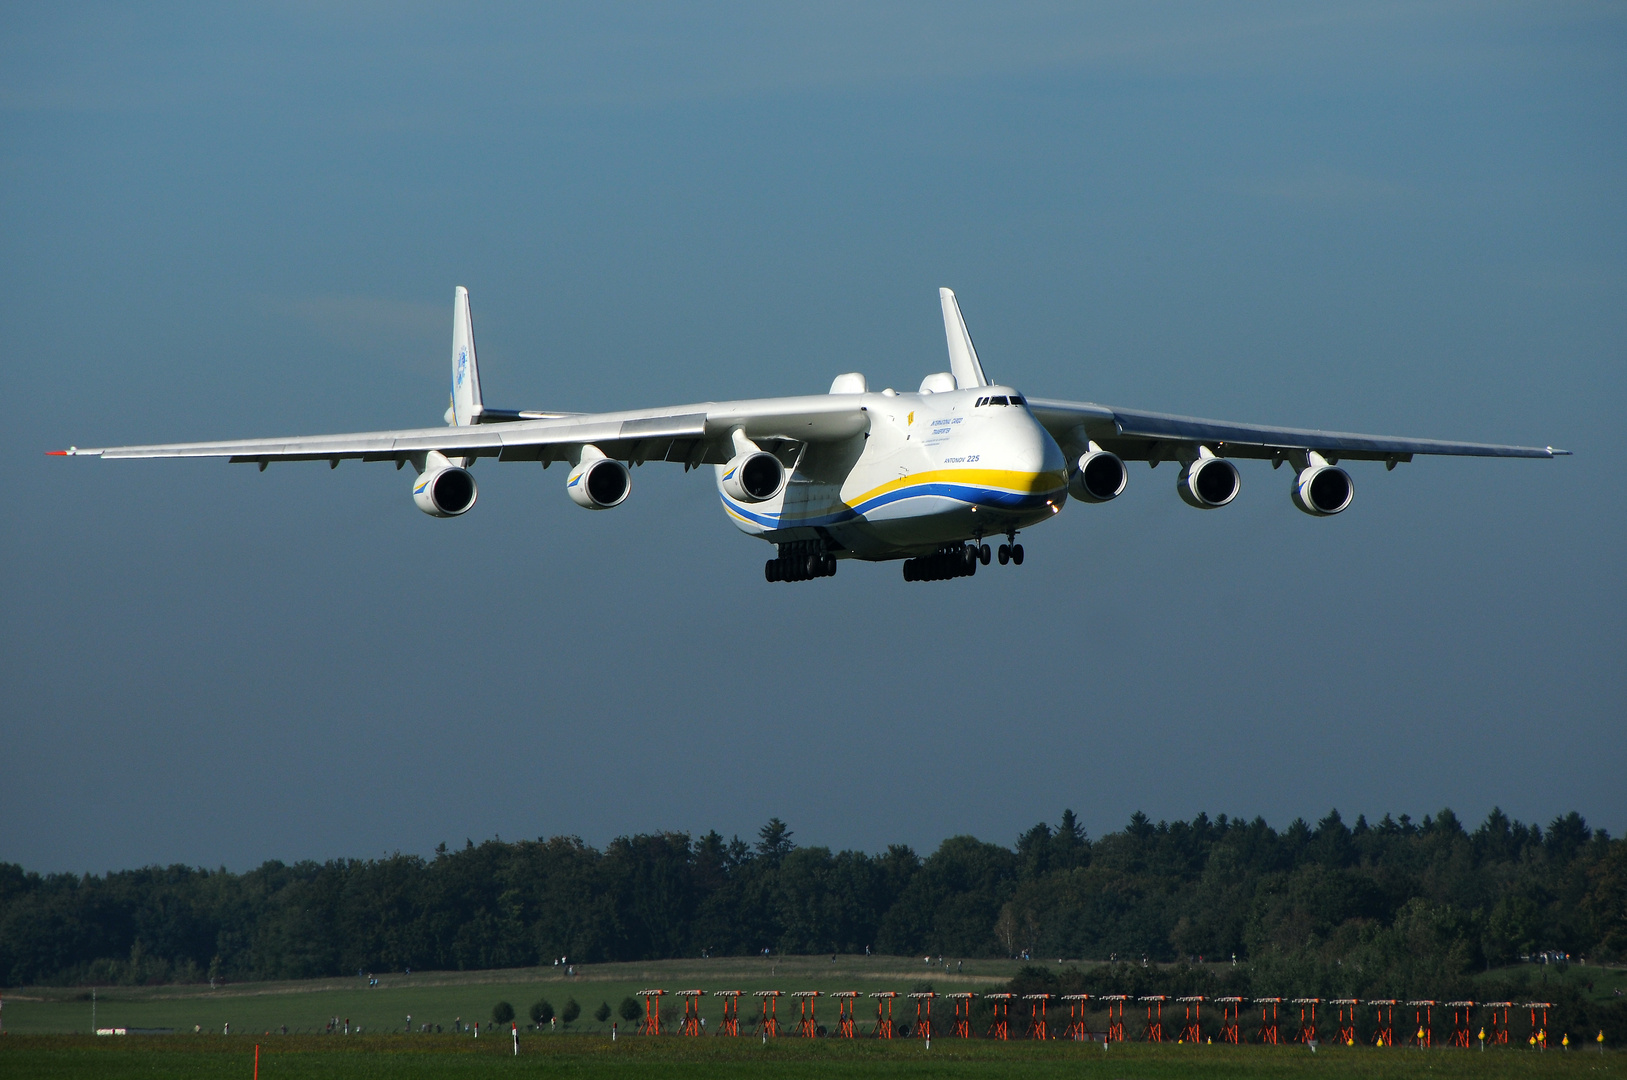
point(466, 407)
point(962, 353)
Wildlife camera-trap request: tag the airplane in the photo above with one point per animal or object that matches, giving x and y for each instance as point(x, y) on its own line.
point(922, 477)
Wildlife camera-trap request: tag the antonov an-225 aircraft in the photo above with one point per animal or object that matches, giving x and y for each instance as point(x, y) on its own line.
point(852, 474)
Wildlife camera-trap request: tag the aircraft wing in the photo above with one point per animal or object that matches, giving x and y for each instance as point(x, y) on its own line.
point(1149, 436)
point(694, 434)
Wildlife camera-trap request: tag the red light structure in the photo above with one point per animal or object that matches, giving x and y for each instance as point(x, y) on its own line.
point(963, 1014)
point(844, 1013)
point(770, 1019)
point(1001, 1027)
point(1384, 1020)
point(1076, 1029)
point(923, 1013)
point(1462, 1023)
point(884, 1021)
point(1231, 1009)
point(1037, 1027)
point(1499, 1022)
point(1154, 1031)
point(731, 1010)
point(692, 1011)
point(1115, 1023)
point(1192, 1030)
point(1539, 1035)
point(1268, 1020)
point(1347, 1020)
point(807, 1018)
point(1424, 1035)
point(1307, 1024)
point(652, 1012)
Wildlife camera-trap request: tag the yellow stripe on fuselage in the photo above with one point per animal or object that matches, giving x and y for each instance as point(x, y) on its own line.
point(1007, 479)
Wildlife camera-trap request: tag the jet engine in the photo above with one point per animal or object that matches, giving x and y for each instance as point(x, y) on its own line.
point(1100, 476)
point(753, 476)
point(1209, 482)
point(1322, 490)
point(444, 492)
point(599, 483)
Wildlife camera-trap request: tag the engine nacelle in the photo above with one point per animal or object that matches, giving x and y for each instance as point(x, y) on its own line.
point(1322, 490)
point(753, 476)
point(444, 492)
point(599, 483)
point(1099, 476)
point(1209, 483)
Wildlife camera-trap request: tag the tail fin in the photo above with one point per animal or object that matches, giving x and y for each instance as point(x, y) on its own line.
point(465, 408)
point(962, 353)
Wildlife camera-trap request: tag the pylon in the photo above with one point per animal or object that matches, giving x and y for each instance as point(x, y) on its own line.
point(1268, 1020)
point(963, 1014)
point(1076, 1030)
point(1001, 1028)
point(1307, 1024)
point(1154, 1031)
point(923, 1021)
point(1384, 1018)
point(1115, 1026)
point(1230, 1010)
point(731, 1010)
point(1347, 1023)
point(770, 1019)
point(1425, 1032)
point(652, 1012)
point(1192, 1030)
point(807, 1021)
point(692, 1011)
point(884, 1020)
point(844, 1013)
point(1499, 1022)
point(1037, 1028)
point(1539, 1035)
point(1462, 1023)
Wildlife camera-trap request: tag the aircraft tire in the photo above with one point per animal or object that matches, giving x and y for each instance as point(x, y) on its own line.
point(983, 554)
point(1005, 554)
point(1017, 554)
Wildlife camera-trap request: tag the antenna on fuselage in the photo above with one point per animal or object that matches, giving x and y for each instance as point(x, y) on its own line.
point(962, 353)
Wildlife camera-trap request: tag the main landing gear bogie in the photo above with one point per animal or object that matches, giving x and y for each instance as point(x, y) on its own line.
point(801, 561)
point(960, 560)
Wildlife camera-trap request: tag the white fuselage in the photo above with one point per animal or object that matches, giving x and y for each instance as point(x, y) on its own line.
point(933, 469)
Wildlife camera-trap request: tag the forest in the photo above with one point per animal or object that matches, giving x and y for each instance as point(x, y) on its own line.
point(1393, 908)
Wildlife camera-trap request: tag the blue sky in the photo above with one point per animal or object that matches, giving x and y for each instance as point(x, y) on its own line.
point(249, 220)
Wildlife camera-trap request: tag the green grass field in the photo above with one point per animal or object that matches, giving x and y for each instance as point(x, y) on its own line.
point(40, 1023)
point(180, 1057)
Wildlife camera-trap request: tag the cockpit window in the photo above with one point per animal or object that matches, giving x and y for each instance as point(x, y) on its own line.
point(1017, 399)
point(1000, 399)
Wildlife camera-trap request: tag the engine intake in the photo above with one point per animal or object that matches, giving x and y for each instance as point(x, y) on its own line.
point(1209, 483)
point(444, 492)
point(599, 484)
point(753, 476)
point(1100, 476)
point(1322, 490)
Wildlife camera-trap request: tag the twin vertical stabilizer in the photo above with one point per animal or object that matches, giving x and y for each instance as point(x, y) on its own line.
point(465, 408)
point(962, 353)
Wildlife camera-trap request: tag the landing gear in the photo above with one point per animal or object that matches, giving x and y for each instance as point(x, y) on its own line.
point(803, 560)
point(1011, 551)
point(949, 561)
point(983, 554)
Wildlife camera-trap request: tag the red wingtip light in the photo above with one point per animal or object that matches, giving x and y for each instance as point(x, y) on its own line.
point(56, 453)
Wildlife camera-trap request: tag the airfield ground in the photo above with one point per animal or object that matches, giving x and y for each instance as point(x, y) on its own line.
point(47, 1031)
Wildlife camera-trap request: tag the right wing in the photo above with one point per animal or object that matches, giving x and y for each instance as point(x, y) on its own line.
point(1149, 436)
point(693, 434)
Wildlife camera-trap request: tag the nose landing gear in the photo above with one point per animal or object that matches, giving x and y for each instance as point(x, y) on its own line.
point(1011, 551)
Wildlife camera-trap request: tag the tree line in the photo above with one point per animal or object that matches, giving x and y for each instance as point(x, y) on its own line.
point(1395, 907)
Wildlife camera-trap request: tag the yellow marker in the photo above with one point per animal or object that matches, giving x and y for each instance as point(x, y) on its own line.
point(1601, 1037)
point(912, 418)
point(1566, 1041)
point(1482, 1034)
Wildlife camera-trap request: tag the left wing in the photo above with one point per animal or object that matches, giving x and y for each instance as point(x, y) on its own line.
point(693, 434)
point(1149, 436)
